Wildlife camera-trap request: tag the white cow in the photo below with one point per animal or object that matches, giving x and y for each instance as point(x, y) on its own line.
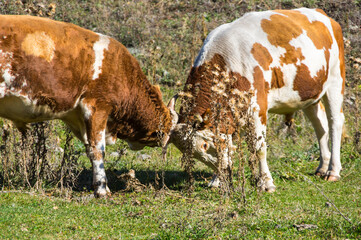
point(286, 60)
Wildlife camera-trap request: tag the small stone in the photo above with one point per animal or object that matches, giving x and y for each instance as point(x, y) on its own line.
point(301, 227)
point(144, 156)
point(137, 202)
point(114, 154)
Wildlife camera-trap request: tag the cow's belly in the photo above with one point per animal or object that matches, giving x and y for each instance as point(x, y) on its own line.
point(284, 101)
point(23, 110)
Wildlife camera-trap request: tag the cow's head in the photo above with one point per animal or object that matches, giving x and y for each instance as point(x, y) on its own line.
point(158, 137)
point(198, 141)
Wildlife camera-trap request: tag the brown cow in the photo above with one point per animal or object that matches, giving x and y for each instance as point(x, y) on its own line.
point(56, 70)
point(287, 60)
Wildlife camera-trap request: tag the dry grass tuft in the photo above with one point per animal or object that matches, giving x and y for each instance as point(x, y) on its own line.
point(35, 159)
point(229, 116)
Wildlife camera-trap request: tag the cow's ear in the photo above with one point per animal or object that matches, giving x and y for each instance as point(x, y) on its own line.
point(174, 121)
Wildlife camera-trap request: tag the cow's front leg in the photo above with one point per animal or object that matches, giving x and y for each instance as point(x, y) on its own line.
point(95, 122)
point(257, 145)
point(96, 156)
point(225, 164)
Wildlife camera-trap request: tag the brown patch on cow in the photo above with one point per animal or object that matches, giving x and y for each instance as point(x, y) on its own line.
point(293, 24)
point(199, 86)
point(242, 83)
point(321, 11)
point(290, 30)
point(262, 88)
point(262, 55)
point(337, 32)
point(277, 78)
point(202, 90)
point(39, 44)
point(309, 87)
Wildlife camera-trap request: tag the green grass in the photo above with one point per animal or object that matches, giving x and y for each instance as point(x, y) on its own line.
point(202, 213)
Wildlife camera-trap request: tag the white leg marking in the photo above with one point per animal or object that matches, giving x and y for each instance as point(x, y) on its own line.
point(96, 155)
point(261, 150)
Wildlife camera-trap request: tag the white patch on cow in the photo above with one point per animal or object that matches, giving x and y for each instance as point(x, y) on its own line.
point(2, 89)
point(314, 58)
point(7, 75)
point(260, 129)
point(87, 110)
point(8, 78)
point(101, 143)
point(310, 14)
point(284, 100)
point(99, 171)
point(99, 47)
point(110, 140)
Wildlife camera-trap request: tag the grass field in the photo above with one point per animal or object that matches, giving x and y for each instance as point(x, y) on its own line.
point(46, 179)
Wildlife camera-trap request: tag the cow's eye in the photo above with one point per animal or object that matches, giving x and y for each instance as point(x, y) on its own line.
point(205, 146)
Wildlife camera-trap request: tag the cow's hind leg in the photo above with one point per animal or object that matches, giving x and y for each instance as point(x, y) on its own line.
point(333, 105)
point(317, 115)
point(95, 122)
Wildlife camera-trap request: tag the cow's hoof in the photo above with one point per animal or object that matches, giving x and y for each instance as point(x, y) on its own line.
point(266, 185)
point(271, 189)
point(320, 173)
point(102, 192)
point(332, 178)
point(215, 182)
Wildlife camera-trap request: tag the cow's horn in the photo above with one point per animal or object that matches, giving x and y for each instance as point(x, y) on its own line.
point(174, 116)
point(171, 107)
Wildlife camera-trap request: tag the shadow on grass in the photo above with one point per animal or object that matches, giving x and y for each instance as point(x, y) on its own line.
point(174, 180)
